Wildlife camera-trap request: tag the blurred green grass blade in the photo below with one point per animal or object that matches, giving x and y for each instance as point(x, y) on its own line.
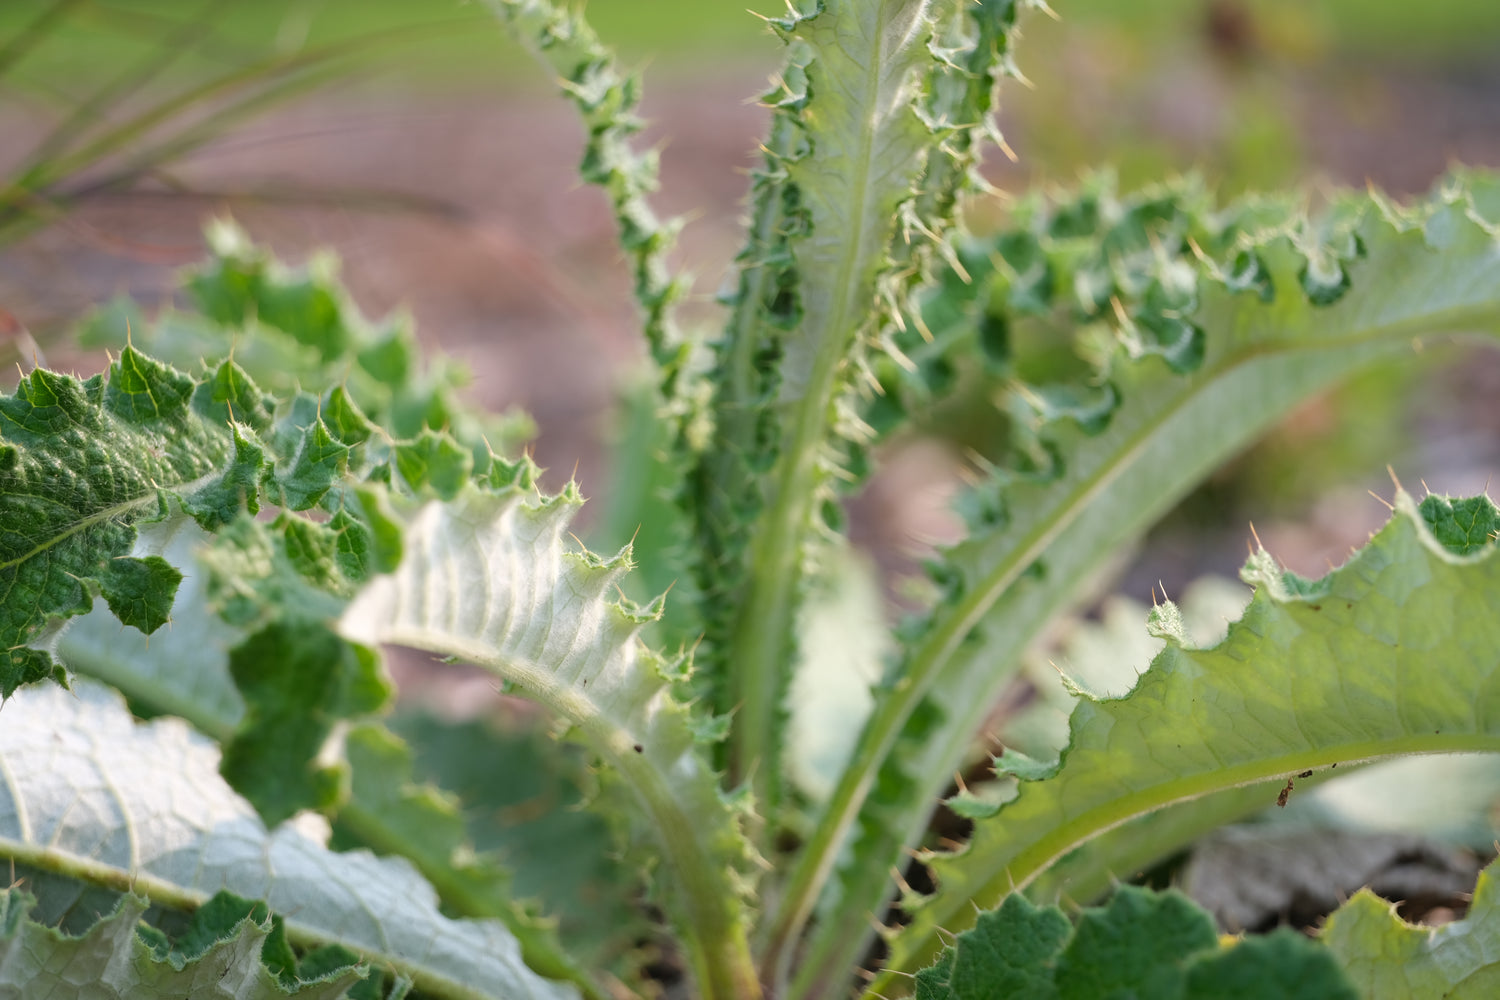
point(33, 200)
point(95, 108)
point(34, 33)
point(195, 136)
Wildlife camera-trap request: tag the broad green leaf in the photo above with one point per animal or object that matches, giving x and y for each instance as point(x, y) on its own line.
point(91, 796)
point(492, 579)
point(1076, 492)
point(1010, 952)
point(1140, 944)
point(1394, 653)
point(80, 464)
point(185, 671)
point(1282, 964)
point(1136, 945)
point(457, 833)
point(1389, 959)
point(222, 957)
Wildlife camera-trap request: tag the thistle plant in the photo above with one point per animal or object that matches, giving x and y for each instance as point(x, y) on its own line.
point(221, 532)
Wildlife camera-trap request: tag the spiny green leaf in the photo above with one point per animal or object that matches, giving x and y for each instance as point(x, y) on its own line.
point(1389, 959)
point(94, 796)
point(183, 670)
point(1464, 526)
point(862, 112)
point(607, 101)
point(1393, 653)
point(241, 283)
point(216, 503)
point(344, 418)
point(1010, 952)
point(287, 328)
point(491, 578)
point(140, 591)
point(316, 461)
point(80, 464)
point(142, 389)
point(1141, 944)
point(298, 679)
point(932, 983)
point(231, 395)
point(1135, 945)
point(1048, 522)
point(186, 671)
point(222, 955)
point(435, 461)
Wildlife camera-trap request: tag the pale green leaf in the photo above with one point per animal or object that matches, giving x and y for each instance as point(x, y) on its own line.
point(495, 580)
point(185, 671)
point(88, 794)
point(112, 961)
point(1389, 959)
point(1044, 526)
point(1393, 653)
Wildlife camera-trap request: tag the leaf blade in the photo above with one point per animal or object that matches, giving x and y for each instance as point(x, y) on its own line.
point(92, 795)
point(1392, 653)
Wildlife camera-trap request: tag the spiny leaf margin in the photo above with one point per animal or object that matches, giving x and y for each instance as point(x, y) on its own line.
point(1387, 958)
point(1395, 652)
point(1086, 482)
point(492, 578)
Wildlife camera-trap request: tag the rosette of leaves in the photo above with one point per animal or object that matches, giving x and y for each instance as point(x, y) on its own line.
point(329, 494)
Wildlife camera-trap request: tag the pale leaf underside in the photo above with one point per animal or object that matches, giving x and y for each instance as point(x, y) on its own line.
point(88, 793)
point(493, 579)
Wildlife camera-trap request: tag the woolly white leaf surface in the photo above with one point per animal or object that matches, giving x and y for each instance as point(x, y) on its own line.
point(87, 792)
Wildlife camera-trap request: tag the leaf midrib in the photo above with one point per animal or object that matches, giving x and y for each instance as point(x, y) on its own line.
point(768, 619)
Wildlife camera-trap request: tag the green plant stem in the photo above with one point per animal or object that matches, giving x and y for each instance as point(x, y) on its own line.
point(21, 194)
point(1088, 872)
point(94, 109)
